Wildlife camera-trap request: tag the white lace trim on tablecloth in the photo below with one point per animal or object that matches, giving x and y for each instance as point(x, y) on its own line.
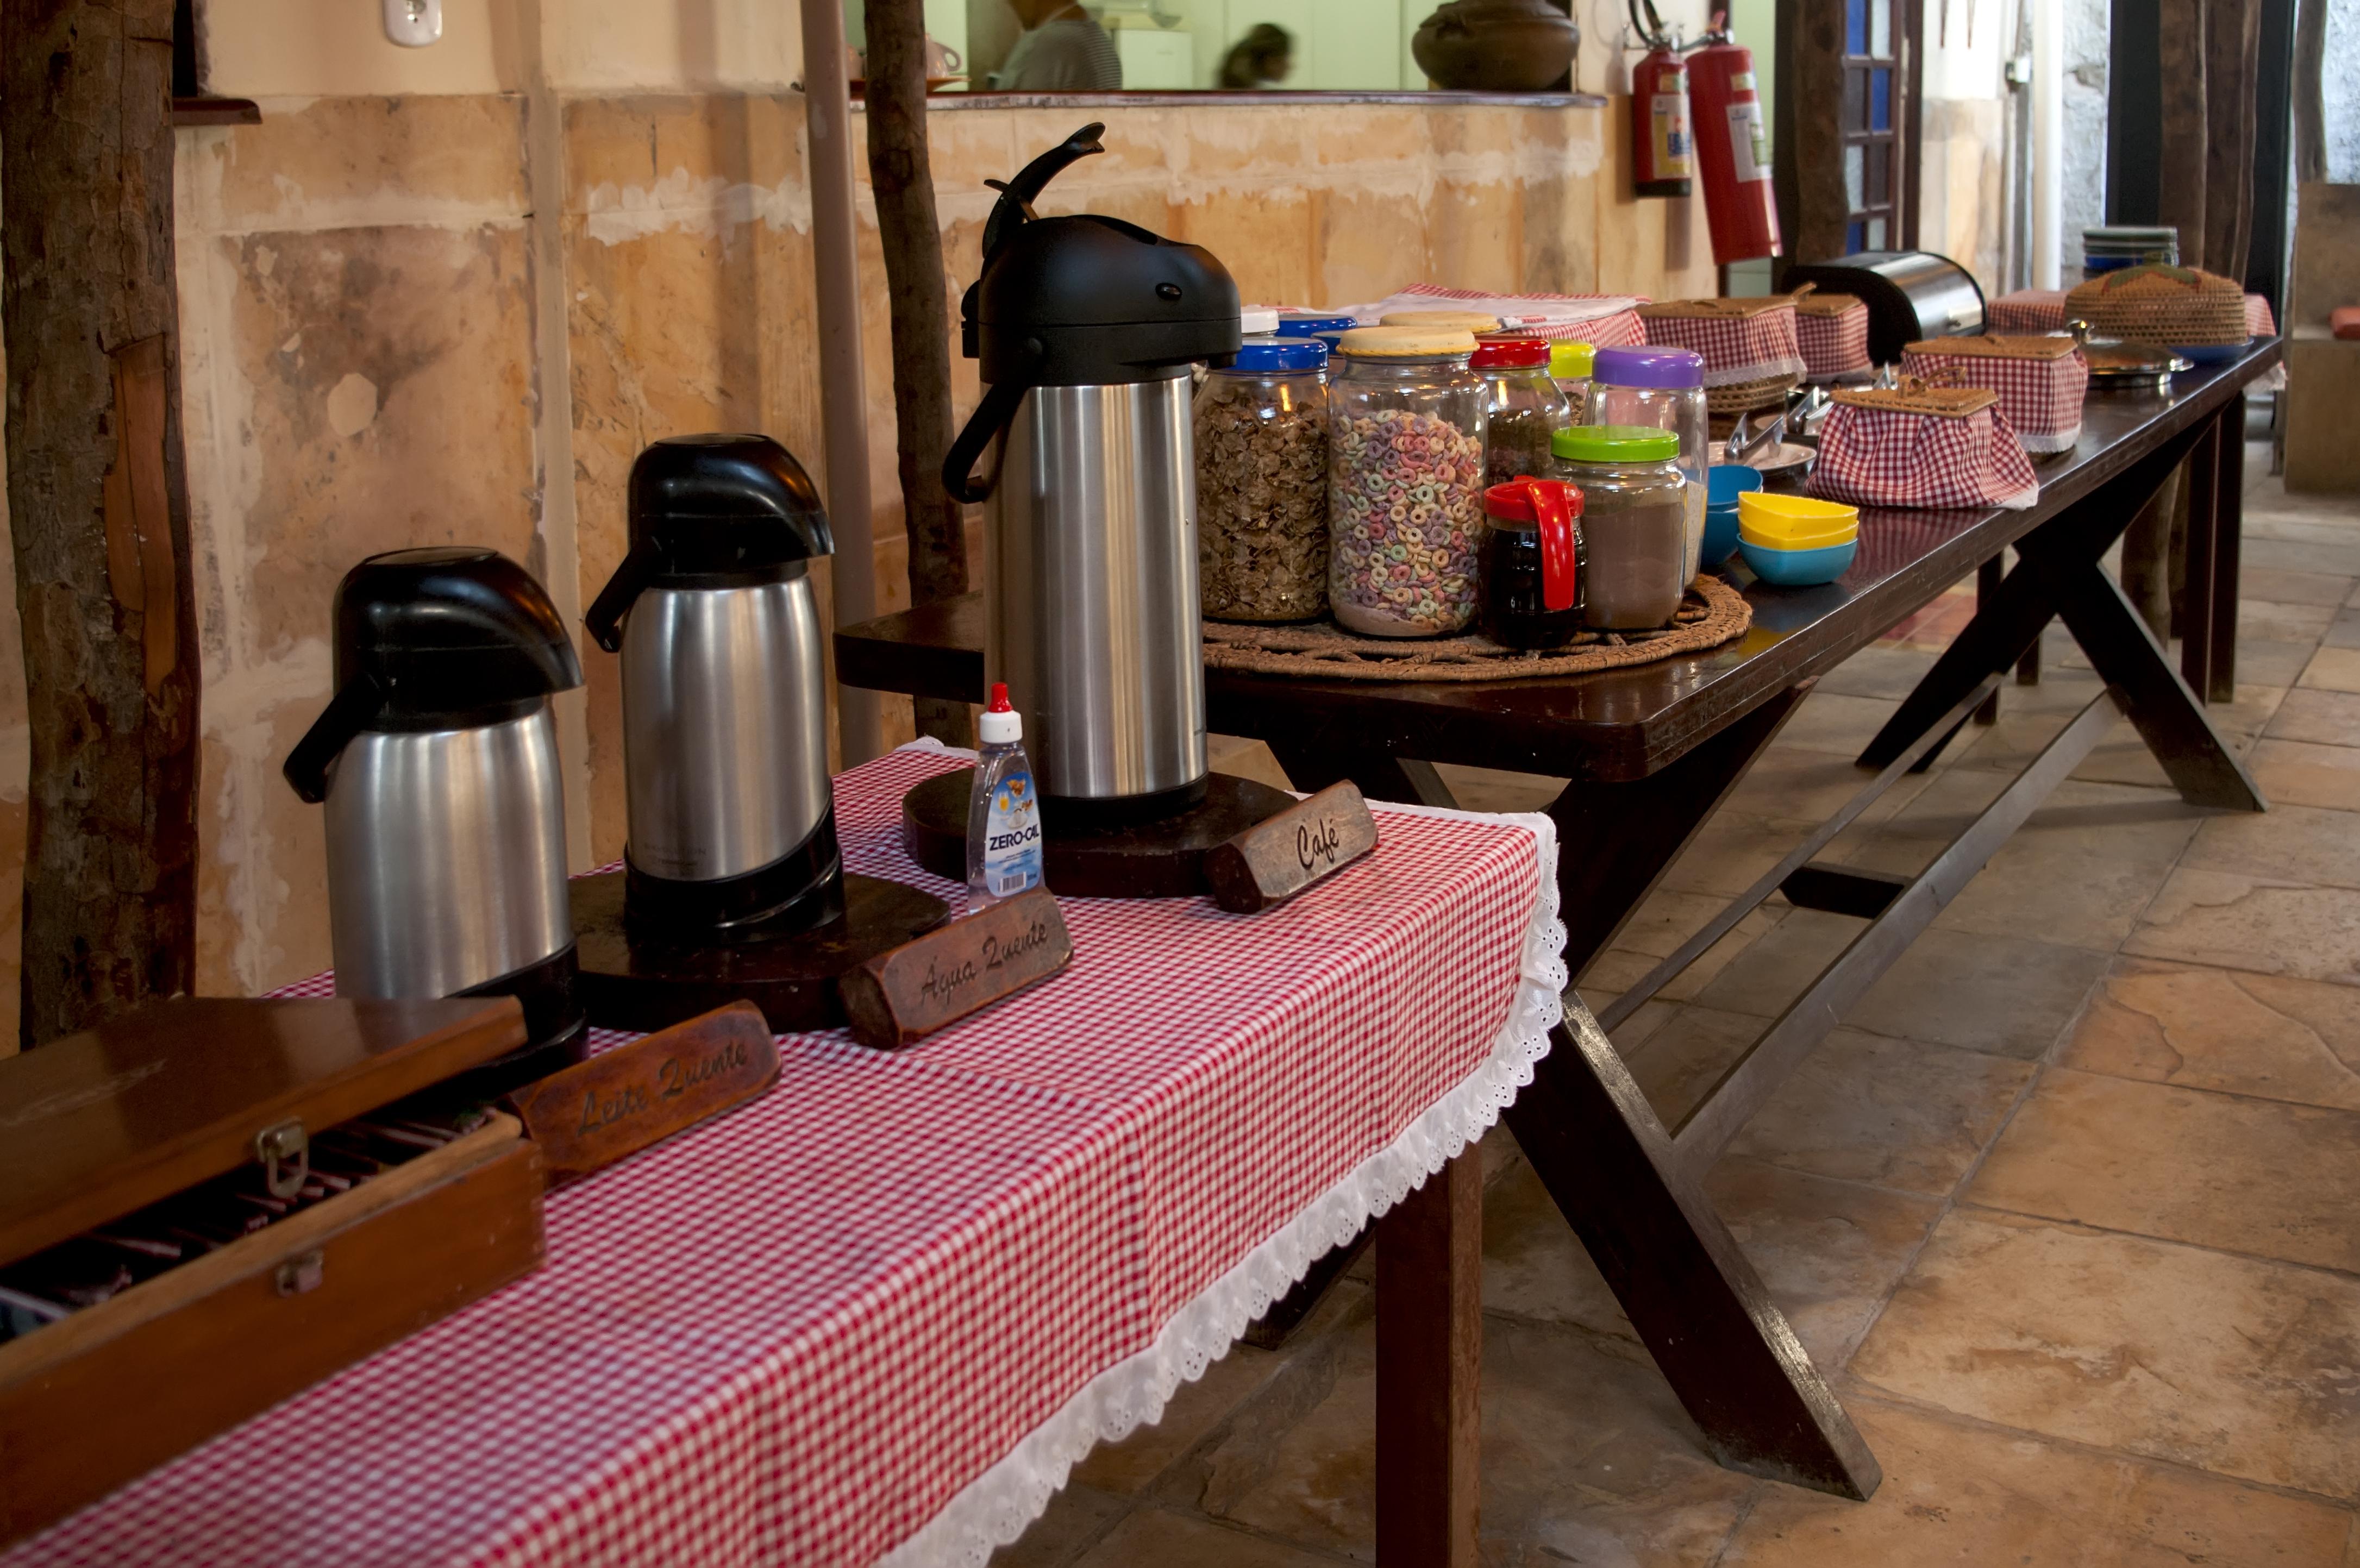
point(996, 1508)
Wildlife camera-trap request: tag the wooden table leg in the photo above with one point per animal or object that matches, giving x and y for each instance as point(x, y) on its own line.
point(1987, 580)
point(2201, 542)
point(2009, 623)
point(1722, 1343)
point(1429, 1370)
point(2228, 535)
point(1615, 841)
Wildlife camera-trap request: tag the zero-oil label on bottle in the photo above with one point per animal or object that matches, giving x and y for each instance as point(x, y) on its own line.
point(1011, 837)
point(1004, 814)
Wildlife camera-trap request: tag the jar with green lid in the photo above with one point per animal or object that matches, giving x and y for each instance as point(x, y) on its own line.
point(1568, 366)
point(1405, 482)
point(1634, 520)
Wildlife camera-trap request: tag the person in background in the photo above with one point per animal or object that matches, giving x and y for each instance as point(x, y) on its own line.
point(1261, 58)
point(1062, 50)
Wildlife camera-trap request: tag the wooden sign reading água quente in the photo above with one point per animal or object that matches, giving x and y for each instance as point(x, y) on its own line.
point(955, 969)
point(621, 1101)
point(1275, 860)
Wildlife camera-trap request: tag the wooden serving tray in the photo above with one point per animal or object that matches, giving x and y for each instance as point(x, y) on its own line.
point(92, 1400)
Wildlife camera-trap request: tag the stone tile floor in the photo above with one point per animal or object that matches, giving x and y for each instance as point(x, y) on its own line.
point(2069, 1210)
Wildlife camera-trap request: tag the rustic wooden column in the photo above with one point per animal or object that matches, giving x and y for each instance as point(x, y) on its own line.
point(1429, 1370)
point(2182, 126)
point(2232, 60)
point(917, 292)
point(1808, 139)
point(98, 506)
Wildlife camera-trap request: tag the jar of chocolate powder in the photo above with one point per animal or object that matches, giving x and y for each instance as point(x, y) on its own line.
point(1405, 482)
point(1262, 484)
point(1634, 519)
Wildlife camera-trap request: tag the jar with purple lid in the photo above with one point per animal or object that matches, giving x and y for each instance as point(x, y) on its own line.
point(1663, 387)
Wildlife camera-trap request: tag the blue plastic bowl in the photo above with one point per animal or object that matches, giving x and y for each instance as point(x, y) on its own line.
point(1725, 482)
point(1799, 568)
point(2209, 354)
point(1719, 536)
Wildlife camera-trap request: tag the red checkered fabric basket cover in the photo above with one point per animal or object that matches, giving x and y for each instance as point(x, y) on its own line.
point(1833, 345)
point(1886, 457)
point(2043, 310)
point(1603, 320)
point(794, 1333)
point(1736, 349)
point(2041, 397)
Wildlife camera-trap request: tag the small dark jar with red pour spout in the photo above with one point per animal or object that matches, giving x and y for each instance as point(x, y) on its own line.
point(1534, 563)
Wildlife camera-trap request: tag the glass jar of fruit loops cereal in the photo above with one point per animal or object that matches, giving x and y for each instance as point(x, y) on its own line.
point(1405, 482)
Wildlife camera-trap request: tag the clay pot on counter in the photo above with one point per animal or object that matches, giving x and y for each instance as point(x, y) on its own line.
point(1496, 46)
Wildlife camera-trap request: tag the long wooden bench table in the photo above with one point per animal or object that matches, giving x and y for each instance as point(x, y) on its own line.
point(1650, 751)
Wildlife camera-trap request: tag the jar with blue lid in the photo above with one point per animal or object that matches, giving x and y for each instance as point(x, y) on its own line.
point(1328, 326)
point(1262, 484)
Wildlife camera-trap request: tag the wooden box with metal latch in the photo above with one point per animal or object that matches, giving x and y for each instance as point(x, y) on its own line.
point(208, 1205)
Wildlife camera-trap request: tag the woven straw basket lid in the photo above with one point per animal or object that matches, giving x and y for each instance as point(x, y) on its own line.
point(1715, 310)
point(2160, 304)
point(1996, 347)
point(1828, 305)
point(1915, 397)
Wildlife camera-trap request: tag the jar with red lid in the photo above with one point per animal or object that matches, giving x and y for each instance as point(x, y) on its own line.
point(1524, 408)
point(1534, 563)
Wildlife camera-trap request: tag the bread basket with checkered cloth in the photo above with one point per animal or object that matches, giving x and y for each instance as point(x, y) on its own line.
point(2158, 304)
point(2040, 381)
point(1920, 446)
point(1751, 357)
point(1832, 331)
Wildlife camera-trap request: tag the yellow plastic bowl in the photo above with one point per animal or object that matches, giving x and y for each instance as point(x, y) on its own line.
point(1844, 533)
point(1794, 522)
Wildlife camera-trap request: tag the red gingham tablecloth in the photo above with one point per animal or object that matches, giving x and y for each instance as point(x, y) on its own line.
point(1736, 349)
point(2043, 310)
point(2041, 397)
point(1602, 320)
point(885, 1308)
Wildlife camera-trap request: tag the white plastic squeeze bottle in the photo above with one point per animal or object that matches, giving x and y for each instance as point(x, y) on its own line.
point(1003, 817)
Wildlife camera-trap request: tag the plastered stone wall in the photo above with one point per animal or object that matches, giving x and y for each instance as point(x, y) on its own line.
point(392, 250)
point(365, 367)
point(358, 375)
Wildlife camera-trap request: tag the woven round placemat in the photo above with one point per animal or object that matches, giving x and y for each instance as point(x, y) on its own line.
point(1711, 614)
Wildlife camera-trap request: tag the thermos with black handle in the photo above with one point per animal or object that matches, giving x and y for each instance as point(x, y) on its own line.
point(437, 762)
point(1085, 327)
point(731, 817)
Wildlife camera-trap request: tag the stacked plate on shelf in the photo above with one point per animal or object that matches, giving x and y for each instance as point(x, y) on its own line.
point(2112, 247)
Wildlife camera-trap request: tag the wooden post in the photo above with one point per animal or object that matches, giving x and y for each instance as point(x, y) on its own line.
point(1429, 1370)
point(98, 507)
point(917, 293)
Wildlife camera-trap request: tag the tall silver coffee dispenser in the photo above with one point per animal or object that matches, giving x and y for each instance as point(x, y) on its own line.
point(732, 822)
point(1085, 327)
point(437, 761)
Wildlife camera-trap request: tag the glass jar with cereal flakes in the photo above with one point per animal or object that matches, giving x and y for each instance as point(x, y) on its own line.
point(1405, 482)
point(1262, 484)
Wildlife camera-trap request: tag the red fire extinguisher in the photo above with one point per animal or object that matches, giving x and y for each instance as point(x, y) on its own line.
point(1733, 148)
point(1662, 148)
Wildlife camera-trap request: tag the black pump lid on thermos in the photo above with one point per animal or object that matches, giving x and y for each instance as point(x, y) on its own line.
point(712, 511)
point(433, 639)
point(1080, 300)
